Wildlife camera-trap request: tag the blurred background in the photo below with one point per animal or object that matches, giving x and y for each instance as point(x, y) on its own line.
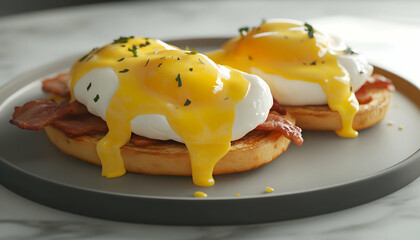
point(386, 30)
point(9, 7)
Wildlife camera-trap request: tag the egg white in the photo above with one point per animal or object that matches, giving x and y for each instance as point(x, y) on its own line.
point(295, 92)
point(249, 113)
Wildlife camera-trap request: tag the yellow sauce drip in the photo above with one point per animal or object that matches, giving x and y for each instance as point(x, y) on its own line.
point(285, 48)
point(190, 90)
point(269, 189)
point(200, 194)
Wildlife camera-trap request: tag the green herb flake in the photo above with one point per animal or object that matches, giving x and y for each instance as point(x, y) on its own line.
point(187, 48)
point(133, 50)
point(250, 58)
point(351, 88)
point(188, 102)
point(163, 57)
point(147, 62)
point(309, 29)
point(160, 64)
point(83, 58)
point(348, 50)
point(178, 79)
point(243, 31)
point(191, 69)
point(89, 86)
point(119, 60)
point(124, 71)
point(122, 39)
point(193, 52)
point(145, 44)
point(226, 98)
point(178, 58)
point(313, 63)
point(96, 98)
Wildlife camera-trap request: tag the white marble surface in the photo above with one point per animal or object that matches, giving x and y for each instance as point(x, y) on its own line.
point(387, 32)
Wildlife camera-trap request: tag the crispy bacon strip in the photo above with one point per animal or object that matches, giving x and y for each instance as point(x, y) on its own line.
point(142, 141)
point(57, 85)
point(277, 108)
point(288, 129)
point(79, 125)
point(37, 114)
point(378, 82)
point(74, 120)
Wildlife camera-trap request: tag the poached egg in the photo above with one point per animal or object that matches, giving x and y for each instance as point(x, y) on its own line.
point(301, 65)
point(159, 91)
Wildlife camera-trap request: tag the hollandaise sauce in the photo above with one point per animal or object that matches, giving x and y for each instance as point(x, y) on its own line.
point(294, 51)
point(196, 96)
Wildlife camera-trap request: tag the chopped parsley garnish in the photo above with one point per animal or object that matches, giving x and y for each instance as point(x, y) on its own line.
point(83, 58)
point(188, 102)
point(95, 48)
point(147, 62)
point(191, 69)
point(96, 98)
point(133, 50)
point(178, 58)
point(159, 65)
point(145, 44)
point(226, 98)
point(351, 88)
point(361, 72)
point(178, 79)
point(309, 29)
point(250, 58)
point(201, 61)
point(163, 57)
point(123, 45)
point(119, 60)
point(348, 50)
point(243, 31)
point(124, 71)
point(88, 87)
point(193, 52)
point(122, 39)
point(313, 63)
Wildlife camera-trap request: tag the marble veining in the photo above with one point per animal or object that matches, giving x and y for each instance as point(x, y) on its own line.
point(32, 229)
point(32, 40)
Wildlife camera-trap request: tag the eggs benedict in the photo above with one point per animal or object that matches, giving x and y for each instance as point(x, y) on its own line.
point(307, 70)
point(152, 90)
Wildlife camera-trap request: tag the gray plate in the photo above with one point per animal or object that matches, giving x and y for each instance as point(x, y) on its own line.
point(327, 173)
